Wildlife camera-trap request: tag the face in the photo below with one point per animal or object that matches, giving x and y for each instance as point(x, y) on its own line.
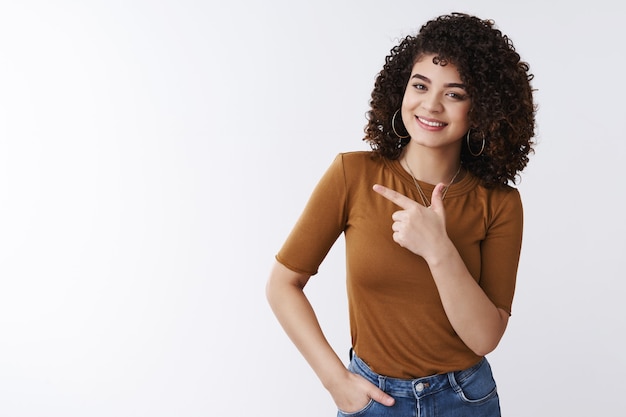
point(435, 106)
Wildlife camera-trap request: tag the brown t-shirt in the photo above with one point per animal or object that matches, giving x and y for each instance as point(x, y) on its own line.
point(397, 321)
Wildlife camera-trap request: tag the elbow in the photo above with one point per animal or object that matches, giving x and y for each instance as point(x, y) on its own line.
point(270, 291)
point(485, 348)
point(273, 287)
point(274, 295)
point(488, 342)
point(491, 335)
point(281, 283)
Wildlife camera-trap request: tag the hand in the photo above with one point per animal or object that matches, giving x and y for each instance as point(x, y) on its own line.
point(417, 228)
point(354, 393)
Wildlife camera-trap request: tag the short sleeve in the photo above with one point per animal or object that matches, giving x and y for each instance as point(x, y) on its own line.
point(320, 224)
point(500, 250)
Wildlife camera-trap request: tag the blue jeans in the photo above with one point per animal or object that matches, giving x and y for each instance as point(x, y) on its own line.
point(467, 393)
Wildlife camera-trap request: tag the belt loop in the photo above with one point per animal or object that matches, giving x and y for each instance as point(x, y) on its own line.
point(382, 382)
point(453, 382)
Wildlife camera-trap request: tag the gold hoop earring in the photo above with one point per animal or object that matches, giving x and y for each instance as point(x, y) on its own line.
point(469, 148)
point(393, 126)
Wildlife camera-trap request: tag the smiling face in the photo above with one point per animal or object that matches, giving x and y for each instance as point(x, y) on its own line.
point(435, 106)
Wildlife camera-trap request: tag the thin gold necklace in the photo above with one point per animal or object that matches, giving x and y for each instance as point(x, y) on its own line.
point(425, 199)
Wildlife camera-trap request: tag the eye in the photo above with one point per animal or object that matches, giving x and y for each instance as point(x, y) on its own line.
point(457, 96)
point(419, 86)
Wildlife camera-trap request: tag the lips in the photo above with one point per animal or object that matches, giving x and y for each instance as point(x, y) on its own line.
point(429, 122)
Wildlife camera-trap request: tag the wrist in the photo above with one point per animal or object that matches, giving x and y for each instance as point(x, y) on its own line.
point(335, 378)
point(440, 253)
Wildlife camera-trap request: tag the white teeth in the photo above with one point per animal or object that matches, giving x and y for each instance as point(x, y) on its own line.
point(433, 124)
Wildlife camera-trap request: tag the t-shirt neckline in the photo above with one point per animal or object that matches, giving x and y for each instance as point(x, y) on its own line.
point(467, 183)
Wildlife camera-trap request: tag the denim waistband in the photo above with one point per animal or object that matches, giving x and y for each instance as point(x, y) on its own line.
point(420, 387)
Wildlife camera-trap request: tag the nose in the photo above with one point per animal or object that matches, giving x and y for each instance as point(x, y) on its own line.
point(432, 103)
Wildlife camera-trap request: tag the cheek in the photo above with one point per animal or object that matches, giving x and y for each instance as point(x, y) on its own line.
point(407, 113)
point(462, 114)
point(409, 102)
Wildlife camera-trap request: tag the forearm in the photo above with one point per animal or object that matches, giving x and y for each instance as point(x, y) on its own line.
point(477, 321)
point(295, 314)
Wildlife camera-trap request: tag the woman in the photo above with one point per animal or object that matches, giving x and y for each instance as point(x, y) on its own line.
point(432, 226)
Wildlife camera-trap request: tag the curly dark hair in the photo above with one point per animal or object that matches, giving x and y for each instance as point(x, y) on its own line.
point(496, 80)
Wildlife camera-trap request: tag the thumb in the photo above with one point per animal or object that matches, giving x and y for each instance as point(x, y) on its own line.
point(382, 397)
point(436, 201)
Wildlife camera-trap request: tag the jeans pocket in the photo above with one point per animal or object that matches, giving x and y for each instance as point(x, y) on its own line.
point(475, 385)
point(361, 412)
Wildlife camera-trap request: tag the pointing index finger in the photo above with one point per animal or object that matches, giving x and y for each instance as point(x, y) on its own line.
point(394, 196)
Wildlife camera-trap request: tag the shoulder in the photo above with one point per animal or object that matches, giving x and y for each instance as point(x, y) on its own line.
point(359, 159)
point(502, 202)
point(506, 194)
point(494, 194)
point(358, 169)
point(358, 155)
point(348, 167)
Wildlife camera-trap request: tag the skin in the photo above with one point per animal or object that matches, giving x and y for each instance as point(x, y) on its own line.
point(435, 112)
point(285, 294)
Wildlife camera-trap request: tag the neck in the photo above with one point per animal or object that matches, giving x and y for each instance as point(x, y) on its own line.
point(431, 168)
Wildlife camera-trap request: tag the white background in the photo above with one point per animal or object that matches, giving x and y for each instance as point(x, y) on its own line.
point(155, 154)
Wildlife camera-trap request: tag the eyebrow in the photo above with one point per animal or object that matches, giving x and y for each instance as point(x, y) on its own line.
point(426, 79)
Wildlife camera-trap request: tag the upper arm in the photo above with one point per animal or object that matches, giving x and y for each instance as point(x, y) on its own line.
point(500, 251)
point(322, 221)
